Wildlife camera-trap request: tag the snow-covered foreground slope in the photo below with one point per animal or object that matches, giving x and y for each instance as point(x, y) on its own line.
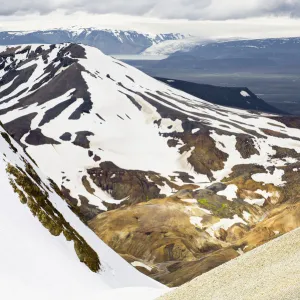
point(36, 264)
point(271, 271)
point(119, 143)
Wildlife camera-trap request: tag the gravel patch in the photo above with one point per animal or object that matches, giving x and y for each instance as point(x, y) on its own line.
point(270, 272)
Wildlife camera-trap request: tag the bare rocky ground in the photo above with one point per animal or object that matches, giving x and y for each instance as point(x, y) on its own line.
point(271, 271)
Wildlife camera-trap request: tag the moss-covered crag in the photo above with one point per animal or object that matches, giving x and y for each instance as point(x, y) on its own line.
point(28, 187)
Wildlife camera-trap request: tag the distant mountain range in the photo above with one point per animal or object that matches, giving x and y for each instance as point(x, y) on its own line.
point(109, 41)
point(230, 56)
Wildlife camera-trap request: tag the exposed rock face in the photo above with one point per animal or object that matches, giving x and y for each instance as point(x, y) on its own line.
point(36, 137)
point(82, 139)
point(177, 243)
point(236, 232)
point(18, 127)
point(206, 157)
point(126, 184)
point(66, 136)
point(245, 145)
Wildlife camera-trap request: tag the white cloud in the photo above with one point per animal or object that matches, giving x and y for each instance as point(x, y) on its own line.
point(173, 9)
point(204, 18)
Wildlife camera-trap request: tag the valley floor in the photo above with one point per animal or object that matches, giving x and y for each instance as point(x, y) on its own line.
point(271, 271)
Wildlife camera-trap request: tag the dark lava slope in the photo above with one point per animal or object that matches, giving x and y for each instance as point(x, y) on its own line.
point(227, 96)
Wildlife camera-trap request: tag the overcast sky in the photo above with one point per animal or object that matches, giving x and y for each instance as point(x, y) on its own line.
point(207, 18)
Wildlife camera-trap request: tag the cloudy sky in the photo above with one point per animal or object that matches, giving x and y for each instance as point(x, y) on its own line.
point(207, 18)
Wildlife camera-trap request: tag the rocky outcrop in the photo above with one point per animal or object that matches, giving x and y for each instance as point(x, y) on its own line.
point(245, 145)
point(124, 184)
point(132, 186)
point(205, 156)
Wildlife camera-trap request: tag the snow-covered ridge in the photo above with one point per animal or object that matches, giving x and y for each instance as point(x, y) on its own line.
point(155, 38)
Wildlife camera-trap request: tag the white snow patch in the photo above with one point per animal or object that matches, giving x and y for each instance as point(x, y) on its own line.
point(224, 224)
point(265, 194)
point(245, 94)
point(229, 192)
point(191, 201)
point(259, 202)
point(206, 211)
point(195, 130)
point(247, 216)
point(196, 221)
point(165, 189)
point(275, 178)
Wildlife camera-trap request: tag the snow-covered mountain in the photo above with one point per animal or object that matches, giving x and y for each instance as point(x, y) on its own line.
point(174, 184)
point(110, 41)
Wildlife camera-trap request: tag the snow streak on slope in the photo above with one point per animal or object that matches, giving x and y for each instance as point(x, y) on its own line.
point(36, 264)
